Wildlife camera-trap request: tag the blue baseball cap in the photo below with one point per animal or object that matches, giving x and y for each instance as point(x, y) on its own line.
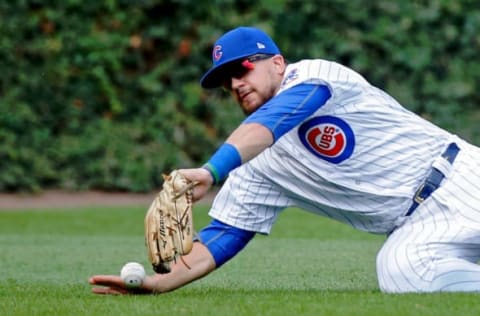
point(235, 45)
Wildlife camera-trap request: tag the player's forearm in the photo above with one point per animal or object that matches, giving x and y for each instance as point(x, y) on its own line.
point(250, 139)
point(246, 142)
point(197, 264)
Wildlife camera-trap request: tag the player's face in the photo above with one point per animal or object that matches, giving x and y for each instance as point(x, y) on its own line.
point(255, 81)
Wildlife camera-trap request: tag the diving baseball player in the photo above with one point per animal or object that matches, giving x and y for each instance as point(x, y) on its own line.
point(318, 136)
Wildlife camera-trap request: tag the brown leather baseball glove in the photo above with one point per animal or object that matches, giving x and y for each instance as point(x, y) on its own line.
point(169, 223)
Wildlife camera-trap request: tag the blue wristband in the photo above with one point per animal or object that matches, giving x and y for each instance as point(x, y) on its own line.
point(224, 160)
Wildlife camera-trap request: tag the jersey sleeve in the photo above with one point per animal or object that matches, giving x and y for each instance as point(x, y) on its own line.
point(289, 108)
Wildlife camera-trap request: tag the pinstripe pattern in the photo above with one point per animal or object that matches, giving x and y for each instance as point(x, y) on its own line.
point(249, 201)
point(438, 247)
point(434, 249)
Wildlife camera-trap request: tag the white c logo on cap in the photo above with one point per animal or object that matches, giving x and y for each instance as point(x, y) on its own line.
point(217, 53)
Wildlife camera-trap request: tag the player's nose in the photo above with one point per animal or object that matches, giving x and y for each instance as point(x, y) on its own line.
point(236, 83)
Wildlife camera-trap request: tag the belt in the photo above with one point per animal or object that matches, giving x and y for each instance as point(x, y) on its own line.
point(433, 180)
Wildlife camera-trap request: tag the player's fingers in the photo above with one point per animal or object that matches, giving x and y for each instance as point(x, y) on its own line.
point(107, 280)
point(113, 284)
point(109, 291)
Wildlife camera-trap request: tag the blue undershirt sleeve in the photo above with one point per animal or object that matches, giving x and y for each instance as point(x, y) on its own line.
point(224, 241)
point(290, 107)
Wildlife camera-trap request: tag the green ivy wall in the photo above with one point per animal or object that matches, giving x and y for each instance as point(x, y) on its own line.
point(105, 94)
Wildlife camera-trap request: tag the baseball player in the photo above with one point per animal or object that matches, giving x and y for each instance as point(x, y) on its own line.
point(318, 136)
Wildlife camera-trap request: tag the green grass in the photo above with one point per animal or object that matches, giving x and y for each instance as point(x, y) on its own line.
point(308, 266)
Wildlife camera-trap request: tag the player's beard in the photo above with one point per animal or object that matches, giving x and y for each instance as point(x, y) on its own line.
point(250, 104)
point(252, 101)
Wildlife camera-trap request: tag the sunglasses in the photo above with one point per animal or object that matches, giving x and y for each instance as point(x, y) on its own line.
point(239, 69)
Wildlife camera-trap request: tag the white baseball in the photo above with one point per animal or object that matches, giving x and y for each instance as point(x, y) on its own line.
point(133, 274)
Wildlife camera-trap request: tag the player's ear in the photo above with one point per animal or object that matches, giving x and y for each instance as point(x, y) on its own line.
point(280, 64)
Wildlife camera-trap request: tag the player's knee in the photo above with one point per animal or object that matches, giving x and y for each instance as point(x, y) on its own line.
point(224, 241)
point(390, 273)
point(397, 273)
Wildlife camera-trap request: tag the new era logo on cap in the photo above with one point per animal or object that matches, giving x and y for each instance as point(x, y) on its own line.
point(260, 45)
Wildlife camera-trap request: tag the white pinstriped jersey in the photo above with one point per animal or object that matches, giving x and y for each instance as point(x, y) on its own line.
point(358, 159)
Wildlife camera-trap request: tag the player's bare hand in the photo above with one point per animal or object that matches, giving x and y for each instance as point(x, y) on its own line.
point(114, 285)
point(202, 177)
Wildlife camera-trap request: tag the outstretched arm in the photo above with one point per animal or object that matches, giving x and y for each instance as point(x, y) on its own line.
point(220, 243)
point(200, 263)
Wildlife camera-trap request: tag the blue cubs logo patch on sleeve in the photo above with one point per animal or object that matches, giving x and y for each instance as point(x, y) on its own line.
point(328, 137)
point(291, 76)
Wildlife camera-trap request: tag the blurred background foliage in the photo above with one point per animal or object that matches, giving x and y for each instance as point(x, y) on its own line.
point(105, 94)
